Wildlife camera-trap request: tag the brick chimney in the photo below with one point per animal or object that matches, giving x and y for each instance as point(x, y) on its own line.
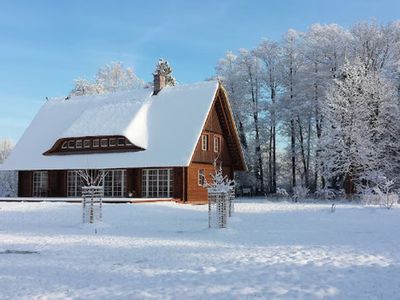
point(159, 82)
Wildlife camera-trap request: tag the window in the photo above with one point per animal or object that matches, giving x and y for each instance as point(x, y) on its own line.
point(157, 183)
point(86, 144)
point(78, 144)
point(121, 141)
point(64, 145)
point(128, 143)
point(71, 144)
point(202, 177)
point(217, 143)
point(204, 142)
point(74, 184)
point(115, 183)
point(96, 143)
point(40, 184)
point(113, 142)
point(104, 143)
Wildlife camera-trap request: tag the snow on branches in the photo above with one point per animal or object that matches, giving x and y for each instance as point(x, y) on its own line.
point(165, 69)
point(109, 78)
point(220, 183)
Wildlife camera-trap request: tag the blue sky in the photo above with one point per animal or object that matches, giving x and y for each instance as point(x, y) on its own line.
point(44, 45)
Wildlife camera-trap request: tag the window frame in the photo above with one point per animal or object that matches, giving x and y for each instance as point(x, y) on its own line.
point(102, 144)
point(204, 142)
point(40, 184)
point(158, 183)
point(121, 142)
point(201, 177)
point(217, 143)
point(96, 143)
point(112, 142)
point(87, 143)
point(71, 144)
point(79, 144)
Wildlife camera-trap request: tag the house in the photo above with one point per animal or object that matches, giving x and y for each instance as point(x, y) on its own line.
point(154, 144)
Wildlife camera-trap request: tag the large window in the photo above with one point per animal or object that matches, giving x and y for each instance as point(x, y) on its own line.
point(115, 183)
point(40, 183)
point(74, 184)
point(157, 183)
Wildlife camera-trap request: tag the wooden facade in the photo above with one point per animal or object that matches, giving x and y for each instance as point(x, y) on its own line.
point(223, 148)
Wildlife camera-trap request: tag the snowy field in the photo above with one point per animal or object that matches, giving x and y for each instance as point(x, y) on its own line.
point(165, 251)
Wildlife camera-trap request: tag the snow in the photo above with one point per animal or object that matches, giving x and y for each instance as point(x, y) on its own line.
point(167, 125)
point(165, 251)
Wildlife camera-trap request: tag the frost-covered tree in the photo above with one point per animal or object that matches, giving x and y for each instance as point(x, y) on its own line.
point(300, 74)
point(109, 78)
point(8, 179)
point(355, 113)
point(6, 146)
point(165, 69)
point(270, 54)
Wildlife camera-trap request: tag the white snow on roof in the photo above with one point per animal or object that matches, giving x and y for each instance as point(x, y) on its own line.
point(167, 126)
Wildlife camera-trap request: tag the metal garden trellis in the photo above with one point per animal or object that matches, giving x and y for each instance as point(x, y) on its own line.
point(92, 195)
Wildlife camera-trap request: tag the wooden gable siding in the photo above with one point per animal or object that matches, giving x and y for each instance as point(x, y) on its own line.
point(213, 128)
point(197, 193)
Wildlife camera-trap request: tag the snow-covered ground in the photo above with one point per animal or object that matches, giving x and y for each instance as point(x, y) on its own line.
point(165, 251)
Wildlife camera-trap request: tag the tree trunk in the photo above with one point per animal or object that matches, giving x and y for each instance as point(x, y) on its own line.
point(303, 157)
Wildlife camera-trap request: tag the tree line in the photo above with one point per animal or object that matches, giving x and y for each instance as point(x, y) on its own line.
point(318, 109)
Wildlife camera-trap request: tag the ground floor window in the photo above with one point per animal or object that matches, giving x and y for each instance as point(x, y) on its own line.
point(114, 183)
point(157, 183)
point(74, 184)
point(40, 183)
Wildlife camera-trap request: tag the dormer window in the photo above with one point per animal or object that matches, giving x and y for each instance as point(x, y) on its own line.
point(204, 142)
point(217, 143)
point(104, 143)
point(78, 144)
point(96, 143)
point(121, 141)
point(113, 142)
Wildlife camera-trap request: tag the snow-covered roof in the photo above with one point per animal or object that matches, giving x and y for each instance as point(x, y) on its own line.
point(167, 125)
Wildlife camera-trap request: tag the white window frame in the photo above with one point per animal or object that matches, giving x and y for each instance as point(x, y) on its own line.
point(86, 143)
point(157, 192)
point(110, 178)
point(78, 144)
point(204, 142)
point(96, 143)
point(71, 144)
point(217, 143)
point(201, 177)
point(121, 142)
point(40, 183)
point(104, 143)
point(74, 183)
point(112, 142)
point(64, 145)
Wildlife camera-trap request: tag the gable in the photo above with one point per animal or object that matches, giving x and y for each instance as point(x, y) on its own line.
point(220, 123)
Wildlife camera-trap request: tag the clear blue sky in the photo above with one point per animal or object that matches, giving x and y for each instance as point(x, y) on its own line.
point(44, 45)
